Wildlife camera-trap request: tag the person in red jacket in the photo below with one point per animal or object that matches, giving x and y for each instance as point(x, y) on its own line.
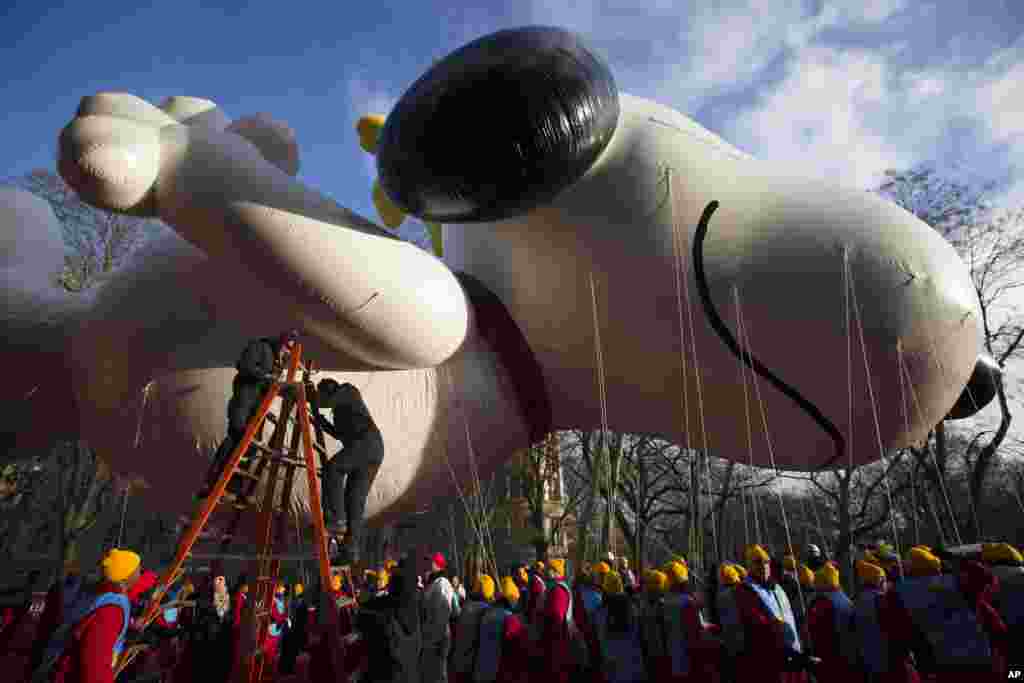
point(772, 649)
point(87, 648)
point(830, 629)
point(555, 650)
point(534, 611)
point(278, 623)
point(944, 620)
point(503, 645)
point(691, 655)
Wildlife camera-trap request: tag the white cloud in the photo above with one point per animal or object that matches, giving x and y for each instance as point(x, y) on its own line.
point(815, 118)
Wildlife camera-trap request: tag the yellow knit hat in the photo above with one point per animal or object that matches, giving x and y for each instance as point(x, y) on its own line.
point(789, 563)
point(299, 589)
point(538, 565)
point(923, 562)
point(679, 575)
point(741, 570)
point(827, 578)
point(524, 576)
point(601, 568)
point(869, 573)
point(383, 579)
point(557, 566)
point(806, 576)
point(484, 586)
point(390, 564)
point(336, 582)
point(728, 576)
point(118, 564)
point(680, 559)
point(756, 553)
point(1001, 553)
point(612, 583)
point(655, 581)
point(509, 589)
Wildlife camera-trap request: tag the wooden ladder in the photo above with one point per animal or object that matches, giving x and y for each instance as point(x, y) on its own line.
point(277, 465)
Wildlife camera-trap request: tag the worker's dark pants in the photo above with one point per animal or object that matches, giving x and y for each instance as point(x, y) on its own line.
point(346, 481)
point(245, 401)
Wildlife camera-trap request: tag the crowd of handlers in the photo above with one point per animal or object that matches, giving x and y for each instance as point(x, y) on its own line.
point(915, 618)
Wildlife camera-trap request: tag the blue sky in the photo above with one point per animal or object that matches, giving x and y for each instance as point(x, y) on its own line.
point(842, 89)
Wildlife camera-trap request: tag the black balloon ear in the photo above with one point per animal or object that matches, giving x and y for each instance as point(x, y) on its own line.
point(498, 127)
point(980, 389)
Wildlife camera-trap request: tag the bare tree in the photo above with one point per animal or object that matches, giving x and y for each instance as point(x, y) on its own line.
point(992, 244)
point(98, 241)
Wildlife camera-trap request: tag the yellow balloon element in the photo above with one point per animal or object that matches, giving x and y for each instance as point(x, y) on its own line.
point(436, 238)
point(369, 128)
point(386, 209)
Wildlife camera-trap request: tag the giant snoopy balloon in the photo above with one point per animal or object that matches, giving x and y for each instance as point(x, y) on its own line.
point(588, 235)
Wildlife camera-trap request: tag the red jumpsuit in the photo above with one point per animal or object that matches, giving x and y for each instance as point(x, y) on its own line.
point(271, 643)
point(821, 627)
point(764, 656)
point(513, 666)
point(556, 661)
point(89, 655)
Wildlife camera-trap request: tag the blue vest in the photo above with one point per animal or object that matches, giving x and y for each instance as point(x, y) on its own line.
point(947, 622)
point(84, 606)
point(492, 633)
point(275, 628)
point(591, 599)
point(171, 614)
point(621, 650)
point(874, 649)
point(675, 636)
point(777, 604)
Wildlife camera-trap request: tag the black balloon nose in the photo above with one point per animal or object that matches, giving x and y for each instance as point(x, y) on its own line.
point(498, 127)
point(980, 389)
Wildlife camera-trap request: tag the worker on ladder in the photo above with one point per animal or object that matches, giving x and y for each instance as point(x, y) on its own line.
point(257, 368)
point(348, 475)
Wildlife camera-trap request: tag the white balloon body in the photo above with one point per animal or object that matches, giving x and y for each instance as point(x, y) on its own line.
point(151, 362)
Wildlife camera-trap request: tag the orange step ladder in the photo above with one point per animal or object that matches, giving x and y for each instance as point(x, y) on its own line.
point(273, 460)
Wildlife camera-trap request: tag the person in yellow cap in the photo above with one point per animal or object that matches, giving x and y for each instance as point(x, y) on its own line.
point(523, 579)
point(873, 644)
point(830, 627)
point(86, 646)
point(275, 629)
point(728, 617)
point(503, 648)
point(588, 598)
point(929, 612)
point(1007, 565)
point(620, 651)
point(556, 649)
point(772, 646)
point(467, 629)
point(652, 633)
point(686, 639)
point(296, 637)
point(535, 596)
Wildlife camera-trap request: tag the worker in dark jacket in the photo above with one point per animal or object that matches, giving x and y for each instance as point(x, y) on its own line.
point(256, 371)
point(348, 475)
